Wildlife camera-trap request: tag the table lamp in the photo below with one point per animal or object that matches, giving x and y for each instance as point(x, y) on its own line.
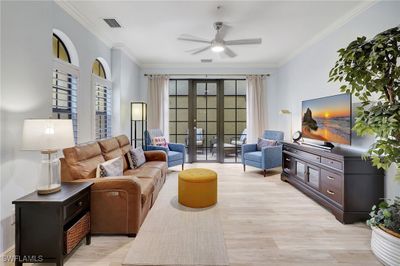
point(48, 136)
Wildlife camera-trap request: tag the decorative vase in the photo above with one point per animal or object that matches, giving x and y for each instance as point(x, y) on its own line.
point(385, 246)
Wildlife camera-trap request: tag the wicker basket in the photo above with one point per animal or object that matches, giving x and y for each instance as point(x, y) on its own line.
point(76, 232)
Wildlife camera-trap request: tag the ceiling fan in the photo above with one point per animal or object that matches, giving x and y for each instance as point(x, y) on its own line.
point(218, 44)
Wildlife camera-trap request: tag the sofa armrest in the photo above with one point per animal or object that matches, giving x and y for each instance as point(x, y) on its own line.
point(116, 205)
point(272, 156)
point(156, 156)
point(127, 183)
point(156, 148)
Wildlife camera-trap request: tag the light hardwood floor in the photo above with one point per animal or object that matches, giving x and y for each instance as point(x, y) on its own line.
point(265, 222)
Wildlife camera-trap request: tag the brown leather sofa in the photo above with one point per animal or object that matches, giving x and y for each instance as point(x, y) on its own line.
point(119, 204)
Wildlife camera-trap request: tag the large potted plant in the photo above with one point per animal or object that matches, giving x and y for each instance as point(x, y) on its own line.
point(385, 224)
point(370, 70)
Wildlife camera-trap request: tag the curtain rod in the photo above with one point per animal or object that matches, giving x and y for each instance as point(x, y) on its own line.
point(207, 75)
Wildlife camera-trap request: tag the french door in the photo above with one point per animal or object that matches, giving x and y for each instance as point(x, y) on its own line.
point(209, 117)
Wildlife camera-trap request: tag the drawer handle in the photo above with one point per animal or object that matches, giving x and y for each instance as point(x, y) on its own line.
point(330, 178)
point(287, 159)
point(80, 204)
point(330, 192)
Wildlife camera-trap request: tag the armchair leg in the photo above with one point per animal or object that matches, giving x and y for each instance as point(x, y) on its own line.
point(244, 168)
point(265, 173)
point(183, 166)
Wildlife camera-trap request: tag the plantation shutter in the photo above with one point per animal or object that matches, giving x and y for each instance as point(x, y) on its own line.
point(103, 107)
point(64, 100)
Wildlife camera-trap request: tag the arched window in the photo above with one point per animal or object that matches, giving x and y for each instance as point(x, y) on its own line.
point(98, 69)
point(65, 84)
point(59, 49)
point(103, 99)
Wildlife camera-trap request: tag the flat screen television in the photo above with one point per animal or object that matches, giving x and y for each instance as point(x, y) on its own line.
point(328, 119)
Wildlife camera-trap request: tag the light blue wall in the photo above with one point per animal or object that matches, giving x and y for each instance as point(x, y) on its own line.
point(26, 78)
point(306, 75)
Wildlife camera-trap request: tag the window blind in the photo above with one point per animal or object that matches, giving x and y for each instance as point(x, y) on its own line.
point(64, 100)
point(103, 107)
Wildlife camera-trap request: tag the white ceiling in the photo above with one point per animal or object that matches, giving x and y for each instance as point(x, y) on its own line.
point(150, 29)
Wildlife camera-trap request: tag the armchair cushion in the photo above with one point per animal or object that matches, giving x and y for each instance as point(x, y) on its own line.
point(174, 155)
point(253, 156)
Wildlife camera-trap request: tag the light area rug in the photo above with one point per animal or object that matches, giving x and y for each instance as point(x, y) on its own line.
point(173, 234)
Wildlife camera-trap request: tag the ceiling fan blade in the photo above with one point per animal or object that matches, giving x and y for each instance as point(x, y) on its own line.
point(191, 38)
point(244, 41)
point(229, 52)
point(199, 50)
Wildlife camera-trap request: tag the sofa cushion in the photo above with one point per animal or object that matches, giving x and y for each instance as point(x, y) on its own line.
point(163, 166)
point(110, 150)
point(83, 160)
point(253, 156)
point(174, 155)
point(144, 172)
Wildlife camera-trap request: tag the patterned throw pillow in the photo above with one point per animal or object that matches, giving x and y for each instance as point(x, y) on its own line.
point(160, 141)
point(261, 143)
point(135, 158)
point(114, 167)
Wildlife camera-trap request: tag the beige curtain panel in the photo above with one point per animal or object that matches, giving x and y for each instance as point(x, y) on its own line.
point(255, 107)
point(157, 98)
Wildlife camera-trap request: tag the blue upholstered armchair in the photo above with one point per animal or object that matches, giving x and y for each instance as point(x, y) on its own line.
point(268, 157)
point(176, 152)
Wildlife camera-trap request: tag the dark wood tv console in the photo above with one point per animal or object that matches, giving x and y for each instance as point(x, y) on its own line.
point(340, 180)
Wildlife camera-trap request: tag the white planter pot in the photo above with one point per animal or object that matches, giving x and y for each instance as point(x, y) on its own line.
point(385, 247)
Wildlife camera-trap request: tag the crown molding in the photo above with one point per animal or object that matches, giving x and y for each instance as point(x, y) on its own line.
point(127, 52)
point(208, 65)
point(330, 29)
point(69, 7)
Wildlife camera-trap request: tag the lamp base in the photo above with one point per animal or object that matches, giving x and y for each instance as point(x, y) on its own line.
point(53, 188)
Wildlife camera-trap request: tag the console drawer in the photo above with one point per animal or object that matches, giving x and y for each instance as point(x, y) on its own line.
point(331, 179)
point(307, 156)
point(332, 163)
point(331, 186)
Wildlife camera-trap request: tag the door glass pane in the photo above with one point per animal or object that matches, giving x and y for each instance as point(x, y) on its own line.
point(212, 101)
point(211, 127)
point(182, 102)
point(229, 114)
point(182, 114)
point(211, 115)
point(201, 115)
point(172, 115)
point(182, 127)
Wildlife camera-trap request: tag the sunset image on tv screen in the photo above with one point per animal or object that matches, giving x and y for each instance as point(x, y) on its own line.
point(328, 119)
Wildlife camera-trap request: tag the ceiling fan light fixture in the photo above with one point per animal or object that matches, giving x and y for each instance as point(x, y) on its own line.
point(217, 48)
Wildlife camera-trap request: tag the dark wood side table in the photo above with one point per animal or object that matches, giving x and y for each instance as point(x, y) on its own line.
point(42, 220)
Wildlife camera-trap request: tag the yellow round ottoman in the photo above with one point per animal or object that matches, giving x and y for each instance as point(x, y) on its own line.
point(197, 187)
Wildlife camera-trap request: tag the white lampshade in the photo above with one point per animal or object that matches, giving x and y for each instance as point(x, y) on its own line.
point(47, 134)
point(138, 111)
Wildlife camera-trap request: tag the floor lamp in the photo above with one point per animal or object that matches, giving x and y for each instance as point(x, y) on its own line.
point(138, 123)
point(287, 112)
